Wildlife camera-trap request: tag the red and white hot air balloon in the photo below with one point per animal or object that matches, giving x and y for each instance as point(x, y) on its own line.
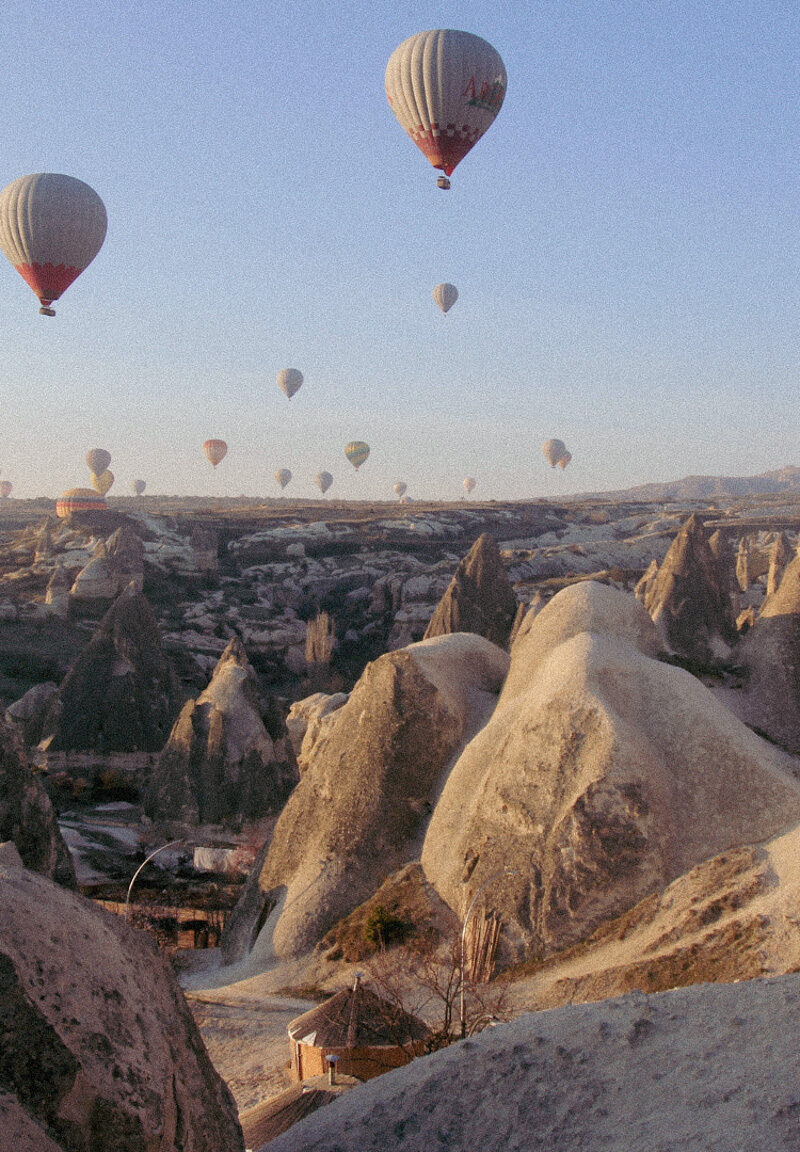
point(51, 228)
point(445, 87)
point(215, 451)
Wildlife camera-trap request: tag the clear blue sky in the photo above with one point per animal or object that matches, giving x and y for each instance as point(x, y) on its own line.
point(624, 240)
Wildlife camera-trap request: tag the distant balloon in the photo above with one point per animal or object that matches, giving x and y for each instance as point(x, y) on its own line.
point(215, 451)
point(400, 488)
point(138, 487)
point(6, 488)
point(469, 483)
point(103, 482)
point(323, 481)
point(98, 460)
point(290, 380)
point(357, 452)
point(445, 87)
point(445, 296)
point(51, 228)
point(283, 476)
point(565, 459)
point(554, 450)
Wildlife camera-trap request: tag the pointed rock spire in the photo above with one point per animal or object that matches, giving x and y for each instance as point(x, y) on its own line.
point(479, 599)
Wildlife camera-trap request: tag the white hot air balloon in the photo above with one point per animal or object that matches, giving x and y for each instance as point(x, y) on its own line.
point(554, 450)
point(400, 489)
point(289, 381)
point(445, 296)
point(469, 483)
point(283, 476)
point(323, 481)
point(445, 87)
point(138, 487)
point(51, 228)
point(565, 459)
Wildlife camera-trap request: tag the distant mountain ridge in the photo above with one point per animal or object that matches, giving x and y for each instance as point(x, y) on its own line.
point(707, 487)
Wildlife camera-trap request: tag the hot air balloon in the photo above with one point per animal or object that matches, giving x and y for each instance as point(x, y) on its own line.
point(445, 296)
point(283, 476)
point(357, 452)
point(400, 489)
point(289, 381)
point(469, 483)
point(323, 481)
point(445, 87)
point(51, 228)
point(138, 487)
point(79, 500)
point(103, 482)
point(98, 460)
point(215, 451)
point(565, 459)
point(553, 451)
point(6, 488)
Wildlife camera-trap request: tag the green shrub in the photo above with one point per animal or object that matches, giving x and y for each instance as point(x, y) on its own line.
point(382, 929)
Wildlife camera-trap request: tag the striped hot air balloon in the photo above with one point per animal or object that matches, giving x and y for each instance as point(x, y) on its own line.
point(215, 451)
point(323, 481)
point(445, 87)
point(98, 460)
point(138, 487)
point(103, 482)
point(51, 228)
point(445, 296)
point(6, 488)
point(79, 500)
point(283, 476)
point(357, 452)
point(289, 381)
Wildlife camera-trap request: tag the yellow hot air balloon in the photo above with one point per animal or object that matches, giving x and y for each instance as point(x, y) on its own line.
point(290, 380)
point(138, 487)
point(469, 483)
point(554, 450)
point(445, 87)
point(98, 460)
point(51, 228)
point(445, 296)
point(357, 452)
point(400, 489)
point(283, 476)
point(323, 481)
point(215, 451)
point(103, 482)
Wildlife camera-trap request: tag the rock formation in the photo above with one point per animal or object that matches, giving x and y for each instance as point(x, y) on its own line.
point(307, 720)
point(221, 761)
point(602, 775)
point(99, 1050)
point(743, 564)
point(94, 587)
point(57, 595)
point(780, 555)
point(480, 598)
point(770, 654)
point(121, 695)
point(367, 791)
point(26, 814)
point(126, 558)
point(28, 713)
point(687, 600)
point(643, 585)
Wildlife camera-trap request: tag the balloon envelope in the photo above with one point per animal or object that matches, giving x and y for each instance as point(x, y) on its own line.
point(323, 481)
point(469, 483)
point(51, 227)
point(565, 459)
point(103, 482)
point(6, 488)
point(553, 451)
point(283, 476)
point(290, 380)
point(445, 296)
point(79, 500)
point(400, 488)
point(357, 452)
point(215, 451)
point(98, 460)
point(445, 87)
point(138, 487)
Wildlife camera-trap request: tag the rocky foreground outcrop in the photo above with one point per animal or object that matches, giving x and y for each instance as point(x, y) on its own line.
point(688, 598)
point(98, 1051)
point(121, 695)
point(26, 814)
point(367, 791)
point(221, 762)
point(705, 1069)
point(479, 599)
point(602, 775)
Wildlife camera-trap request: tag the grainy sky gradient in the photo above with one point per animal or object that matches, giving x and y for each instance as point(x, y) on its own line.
point(624, 240)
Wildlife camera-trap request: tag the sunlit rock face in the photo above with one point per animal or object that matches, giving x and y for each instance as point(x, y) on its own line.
point(601, 776)
point(367, 791)
point(221, 761)
point(99, 1050)
point(479, 599)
